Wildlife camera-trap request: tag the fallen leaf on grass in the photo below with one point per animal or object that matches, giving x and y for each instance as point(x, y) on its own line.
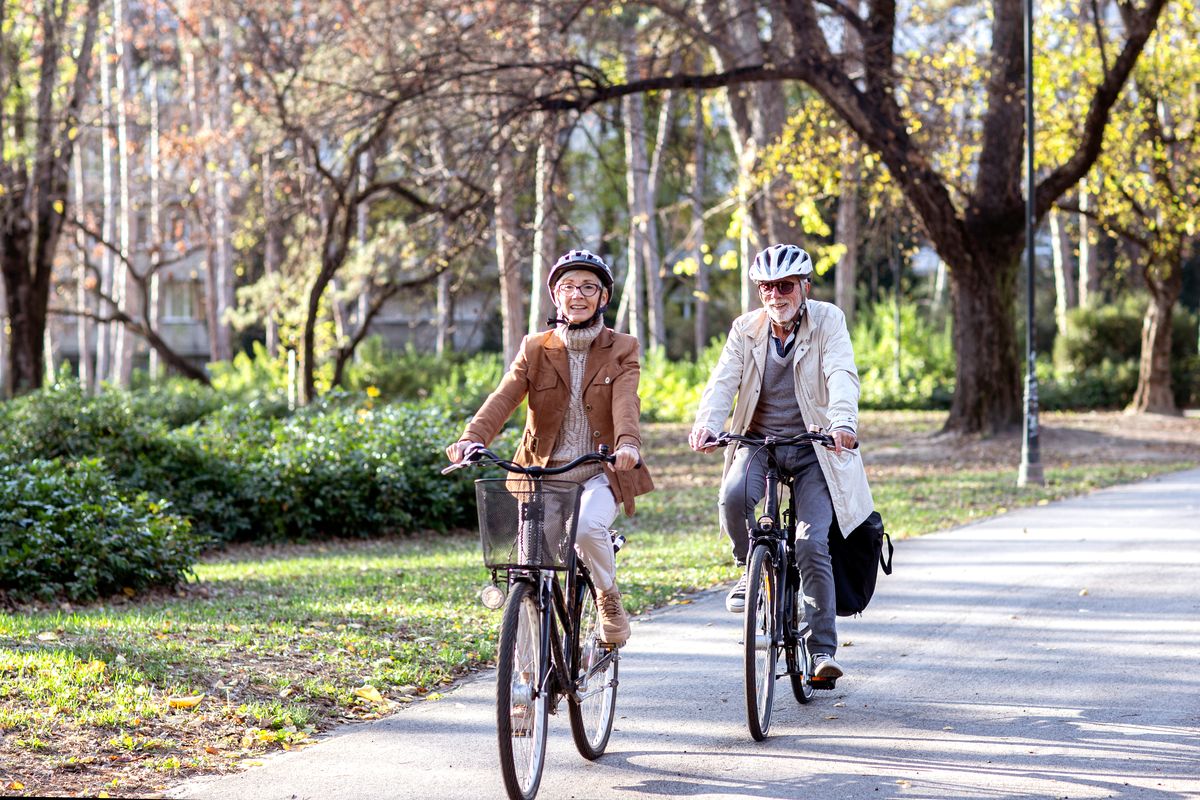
point(15, 786)
point(212, 751)
point(185, 702)
point(369, 693)
point(47, 636)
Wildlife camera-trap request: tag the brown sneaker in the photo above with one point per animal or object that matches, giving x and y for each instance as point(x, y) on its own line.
point(614, 622)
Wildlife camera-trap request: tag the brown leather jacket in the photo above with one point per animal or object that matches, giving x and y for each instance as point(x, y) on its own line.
point(541, 371)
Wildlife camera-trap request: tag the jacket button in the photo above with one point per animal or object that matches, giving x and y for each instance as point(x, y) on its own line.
point(587, 407)
point(595, 434)
point(608, 380)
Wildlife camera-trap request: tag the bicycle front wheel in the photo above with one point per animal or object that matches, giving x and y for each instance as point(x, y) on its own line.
point(521, 703)
point(759, 637)
point(595, 678)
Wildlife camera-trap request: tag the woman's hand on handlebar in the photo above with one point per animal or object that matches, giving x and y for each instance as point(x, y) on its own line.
point(461, 450)
point(626, 458)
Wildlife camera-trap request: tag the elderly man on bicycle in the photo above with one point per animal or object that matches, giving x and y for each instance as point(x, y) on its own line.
point(791, 366)
point(581, 380)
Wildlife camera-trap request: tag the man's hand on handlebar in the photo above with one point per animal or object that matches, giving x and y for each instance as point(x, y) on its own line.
point(702, 440)
point(843, 440)
point(461, 450)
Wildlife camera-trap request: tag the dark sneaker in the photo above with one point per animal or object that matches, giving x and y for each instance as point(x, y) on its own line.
point(824, 667)
point(735, 601)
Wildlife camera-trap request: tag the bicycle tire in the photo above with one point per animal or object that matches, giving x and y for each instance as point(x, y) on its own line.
point(761, 654)
point(798, 661)
point(521, 718)
point(592, 717)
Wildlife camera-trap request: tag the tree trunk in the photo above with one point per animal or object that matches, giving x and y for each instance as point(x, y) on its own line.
point(987, 394)
point(512, 289)
point(445, 315)
point(545, 223)
point(223, 278)
point(656, 324)
point(153, 309)
point(1154, 394)
point(1064, 271)
point(637, 178)
point(83, 324)
point(122, 282)
point(107, 334)
point(272, 246)
point(1089, 264)
point(37, 194)
point(846, 277)
point(700, 323)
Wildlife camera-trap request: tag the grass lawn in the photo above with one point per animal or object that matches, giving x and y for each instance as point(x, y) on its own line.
point(267, 647)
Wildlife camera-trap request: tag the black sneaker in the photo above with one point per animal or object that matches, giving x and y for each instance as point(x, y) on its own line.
point(824, 667)
point(735, 601)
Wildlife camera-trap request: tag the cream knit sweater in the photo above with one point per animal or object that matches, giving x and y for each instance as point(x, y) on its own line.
point(575, 437)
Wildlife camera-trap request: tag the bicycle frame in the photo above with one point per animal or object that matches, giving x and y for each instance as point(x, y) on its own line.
point(557, 608)
point(781, 541)
point(775, 529)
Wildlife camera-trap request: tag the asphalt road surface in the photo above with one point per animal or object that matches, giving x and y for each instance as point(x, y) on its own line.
point(1049, 652)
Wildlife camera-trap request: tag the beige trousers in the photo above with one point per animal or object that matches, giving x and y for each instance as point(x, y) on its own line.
point(597, 510)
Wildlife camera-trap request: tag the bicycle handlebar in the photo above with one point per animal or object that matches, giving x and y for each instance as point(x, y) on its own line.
point(724, 439)
point(478, 455)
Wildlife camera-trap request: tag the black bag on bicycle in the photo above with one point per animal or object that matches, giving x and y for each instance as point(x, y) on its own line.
point(856, 562)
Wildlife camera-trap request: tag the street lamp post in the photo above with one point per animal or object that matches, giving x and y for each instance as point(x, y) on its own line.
point(1031, 464)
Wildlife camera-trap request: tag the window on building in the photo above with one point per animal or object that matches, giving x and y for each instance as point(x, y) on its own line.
point(180, 301)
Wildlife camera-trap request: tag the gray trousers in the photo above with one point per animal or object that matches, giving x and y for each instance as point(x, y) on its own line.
point(743, 488)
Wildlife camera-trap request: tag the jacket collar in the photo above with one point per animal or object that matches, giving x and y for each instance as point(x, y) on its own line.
point(759, 332)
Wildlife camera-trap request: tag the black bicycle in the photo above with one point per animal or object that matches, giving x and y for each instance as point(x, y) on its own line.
point(773, 622)
point(550, 644)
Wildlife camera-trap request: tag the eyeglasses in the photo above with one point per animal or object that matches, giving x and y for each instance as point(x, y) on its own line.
point(584, 289)
point(781, 287)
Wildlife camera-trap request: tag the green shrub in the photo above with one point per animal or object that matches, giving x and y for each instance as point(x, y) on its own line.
point(66, 530)
point(926, 378)
point(670, 390)
point(1096, 357)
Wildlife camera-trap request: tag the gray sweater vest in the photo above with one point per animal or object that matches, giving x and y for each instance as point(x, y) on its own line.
point(778, 412)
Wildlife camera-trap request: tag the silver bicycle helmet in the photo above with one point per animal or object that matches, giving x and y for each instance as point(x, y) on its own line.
point(780, 261)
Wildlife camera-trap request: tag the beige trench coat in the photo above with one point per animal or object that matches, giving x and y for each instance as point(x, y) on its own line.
point(826, 389)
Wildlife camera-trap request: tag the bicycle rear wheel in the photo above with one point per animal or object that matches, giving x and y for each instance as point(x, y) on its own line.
point(595, 677)
point(761, 654)
point(797, 657)
point(521, 706)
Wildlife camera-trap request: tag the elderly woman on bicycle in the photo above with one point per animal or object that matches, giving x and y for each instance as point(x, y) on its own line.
point(581, 379)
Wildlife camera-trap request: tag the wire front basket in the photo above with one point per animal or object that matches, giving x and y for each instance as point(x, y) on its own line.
point(526, 523)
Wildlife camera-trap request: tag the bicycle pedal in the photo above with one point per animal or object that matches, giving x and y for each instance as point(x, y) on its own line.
point(822, 683)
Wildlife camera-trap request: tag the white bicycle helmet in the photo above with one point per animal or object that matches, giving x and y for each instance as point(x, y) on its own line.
point(586, 260)
point(780, 261)
point(581, 259)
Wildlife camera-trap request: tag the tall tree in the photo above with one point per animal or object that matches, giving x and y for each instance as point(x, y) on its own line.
point(1150, 169)
point(973, 215)
point(39, 127)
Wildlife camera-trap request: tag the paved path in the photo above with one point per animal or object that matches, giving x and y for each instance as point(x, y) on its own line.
point(1050, 652)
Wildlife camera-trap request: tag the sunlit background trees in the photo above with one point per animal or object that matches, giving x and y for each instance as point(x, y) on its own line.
point(186, 181)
